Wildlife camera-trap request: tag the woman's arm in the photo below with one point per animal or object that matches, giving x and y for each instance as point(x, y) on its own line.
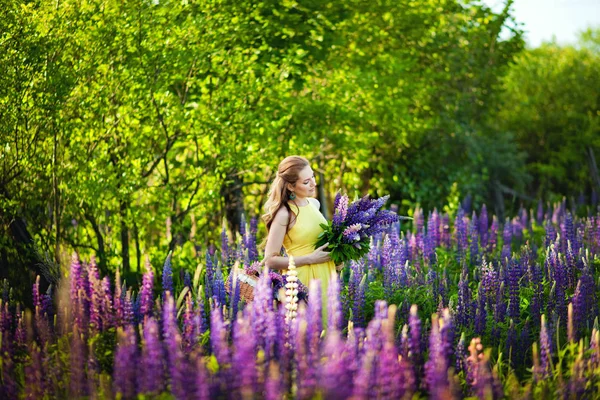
point(275, 241)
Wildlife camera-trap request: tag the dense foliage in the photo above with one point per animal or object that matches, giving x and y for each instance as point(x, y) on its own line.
point(472, 307)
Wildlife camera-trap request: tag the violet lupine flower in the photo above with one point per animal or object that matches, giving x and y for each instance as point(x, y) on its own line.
point(340, 210)
point(145, 296)
point(513, 290)
point(500, 306)
point(510, 346)
point(262, 316)
point(429, 241)
point(177, 365)
point(218, 337)
point(419, 219)
point(224, 247)
point(334, 311)
point(118, 300)
point(415, 349)
point(37, 299)
point(474, 237)
point(167, 275)
point(545, 352)
point(461, 355)
point(273, 385)
point(202, 381)
point(584, 301)
point(445, 234)
point(493, 235)
point(190, 326)
point(480, 312)
point(77, 381)
point(152, 359)
point(463, 308)
point(128, 312)
point(218, 289)
point(436, 367)
point(460, 232)
point(244, 359)
point(389, 377)
point(483, 224)
point(351, 234)
point(124, 375)
point(306, 372)
point(34, 375)
point(251, 240)
point(334, 375)
point(106, 305)
point(435, 228)
point(358, 303)
point(314, 318)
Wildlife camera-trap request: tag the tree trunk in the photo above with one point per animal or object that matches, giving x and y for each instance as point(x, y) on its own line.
point(138, 251)
point(124, 238)
point(593, 169)
point(101, 255)
point(231, 192)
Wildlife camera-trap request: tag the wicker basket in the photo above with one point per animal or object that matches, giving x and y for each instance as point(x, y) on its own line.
point(247, 284)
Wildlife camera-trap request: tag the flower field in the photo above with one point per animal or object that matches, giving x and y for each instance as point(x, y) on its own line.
point(451, 307)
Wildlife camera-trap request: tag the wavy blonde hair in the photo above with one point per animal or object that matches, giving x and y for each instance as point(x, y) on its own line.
point(279, 195)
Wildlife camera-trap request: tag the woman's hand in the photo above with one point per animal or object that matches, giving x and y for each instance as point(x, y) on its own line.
point(320, 255)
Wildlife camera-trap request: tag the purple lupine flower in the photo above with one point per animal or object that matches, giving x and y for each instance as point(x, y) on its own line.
point(334, 308)
point(415, 349)
point(261, 315)
point(273, 385)
point(145, 296)
point(474, 239)
point(314, 319)
point(177, 364)
point(152, 359)
point(480, 313)
point(124, 375)
point(545, 351)
point(584, 301)
point(358, 303)
point(435, 228)
point(306, 373)
point(37, 299)
point(218, 337)
point(251, 240)
point(218, 289)
point(493, 234)
point(463, 308)
point(460, 232)
point(77, 381)
point(340, 210)
point(224, 247)
point(483, 226)
point(445, 234)
point(244, 359)
point(351, 234)
point(187, 280)
point(389, 377)
point(539, 216)
point(510, 346)
point(167, 275)
point(34, 379)
point(106, 304)
point(419, 225)
point(118, 300)
point(202, 384)
point(461, 355)
point(429, 242)
point(335, 369)
point(128, 312)
point(513, 290)
point(190, 326)
point(436, 368)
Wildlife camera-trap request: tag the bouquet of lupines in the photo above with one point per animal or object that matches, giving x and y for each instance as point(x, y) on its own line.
point(349, 232)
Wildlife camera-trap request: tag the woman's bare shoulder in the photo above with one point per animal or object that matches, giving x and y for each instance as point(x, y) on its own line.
point(282, 215)
point(315, 202)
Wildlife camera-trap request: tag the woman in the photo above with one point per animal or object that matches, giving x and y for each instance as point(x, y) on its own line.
point(292, 219)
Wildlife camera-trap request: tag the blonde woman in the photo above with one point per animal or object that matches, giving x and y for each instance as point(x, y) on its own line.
point(292, 218)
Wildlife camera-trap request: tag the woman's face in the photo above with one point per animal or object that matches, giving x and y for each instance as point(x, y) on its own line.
point(306, 184)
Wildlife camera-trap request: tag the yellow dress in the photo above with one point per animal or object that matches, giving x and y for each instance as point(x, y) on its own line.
point(300, 241)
